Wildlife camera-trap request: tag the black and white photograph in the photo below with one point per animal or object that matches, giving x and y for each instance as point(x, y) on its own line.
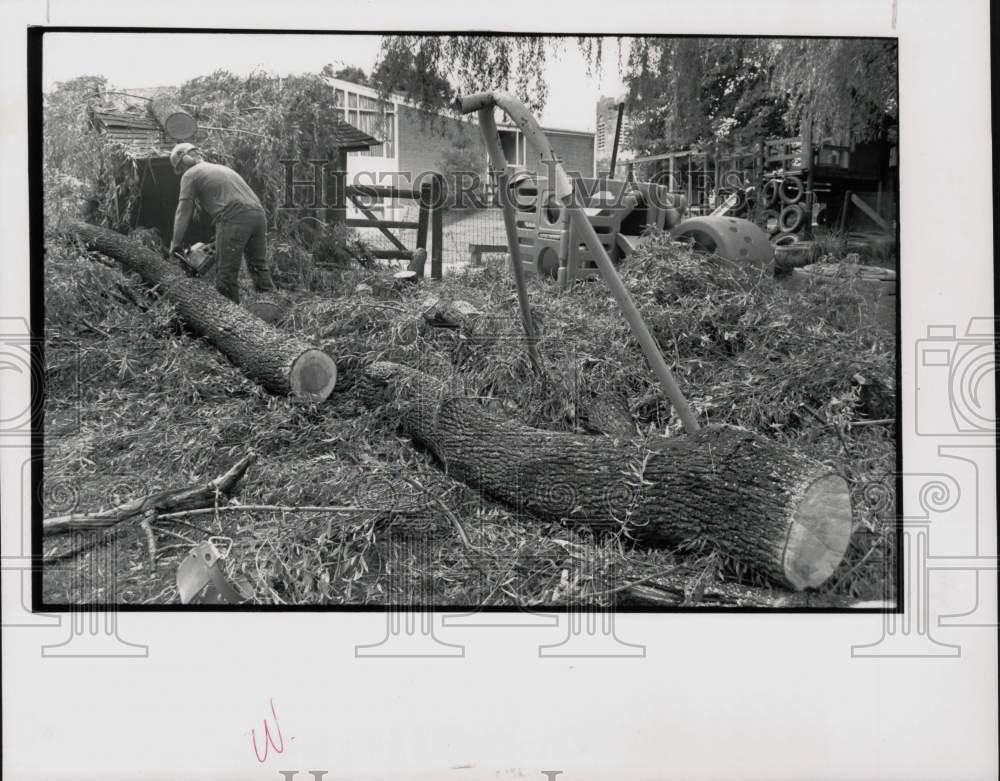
point(444, 323)
point(498, 391)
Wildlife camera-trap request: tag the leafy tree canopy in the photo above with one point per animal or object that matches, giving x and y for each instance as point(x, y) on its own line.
point(682, 91)
point(67, 120)
point(424, 67)
point(350, 73)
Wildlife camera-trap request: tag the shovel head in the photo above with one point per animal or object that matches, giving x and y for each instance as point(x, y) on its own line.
point(195, 572)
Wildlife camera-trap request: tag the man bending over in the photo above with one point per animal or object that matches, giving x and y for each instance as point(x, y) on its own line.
point(236, 212)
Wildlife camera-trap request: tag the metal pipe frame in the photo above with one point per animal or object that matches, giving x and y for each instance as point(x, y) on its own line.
point(562, 186)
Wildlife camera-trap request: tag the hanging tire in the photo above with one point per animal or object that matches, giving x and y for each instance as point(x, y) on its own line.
point(770, 221)
point(791, 219)
point(791, 190)
point(769, 193)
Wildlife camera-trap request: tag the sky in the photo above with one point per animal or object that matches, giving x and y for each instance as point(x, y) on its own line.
point(165, 59)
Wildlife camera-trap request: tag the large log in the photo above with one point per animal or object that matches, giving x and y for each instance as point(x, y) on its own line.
point(769, 509)
point(174, 120)
point(283, 364)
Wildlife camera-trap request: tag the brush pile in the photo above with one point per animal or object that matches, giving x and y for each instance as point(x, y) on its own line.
point(135, 404)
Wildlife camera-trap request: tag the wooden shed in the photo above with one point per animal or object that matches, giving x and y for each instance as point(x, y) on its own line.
point(156, 187)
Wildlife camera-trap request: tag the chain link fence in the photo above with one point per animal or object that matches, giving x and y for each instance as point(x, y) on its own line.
point(463, 229)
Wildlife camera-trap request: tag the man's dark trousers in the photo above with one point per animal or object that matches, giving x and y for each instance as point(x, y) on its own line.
point(236, 234)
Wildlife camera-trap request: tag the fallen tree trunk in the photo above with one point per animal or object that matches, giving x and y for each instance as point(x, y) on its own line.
point(174, 120)
point(770, 510)
point(283, 364)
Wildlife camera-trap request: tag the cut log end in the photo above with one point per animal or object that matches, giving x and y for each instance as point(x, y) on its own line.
point(819, 533)
point(313, 375)
point(181, 127)
point(269, 311)
point(177, 123)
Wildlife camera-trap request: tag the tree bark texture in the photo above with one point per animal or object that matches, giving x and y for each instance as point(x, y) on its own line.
point(281, 363)
point(728, 488)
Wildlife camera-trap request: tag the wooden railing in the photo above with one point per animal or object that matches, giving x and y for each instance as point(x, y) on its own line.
point(431, 201)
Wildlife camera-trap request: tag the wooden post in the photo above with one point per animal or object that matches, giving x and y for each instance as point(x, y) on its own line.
point(807, 160)
point(843, 211)
point(690, 187)
point(437, 226)
point(716, 163)
point(338, 212)
point(426, 193)
point(614, 148)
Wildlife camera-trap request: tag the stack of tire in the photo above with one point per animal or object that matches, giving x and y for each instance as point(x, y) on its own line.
point(784, 211)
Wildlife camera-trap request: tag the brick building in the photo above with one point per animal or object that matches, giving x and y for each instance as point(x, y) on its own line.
point(415, 141)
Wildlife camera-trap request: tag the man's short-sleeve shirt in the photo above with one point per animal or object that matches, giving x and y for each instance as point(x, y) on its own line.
point(219, 190)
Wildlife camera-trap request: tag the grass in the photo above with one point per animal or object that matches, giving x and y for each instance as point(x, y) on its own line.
point(134, 404)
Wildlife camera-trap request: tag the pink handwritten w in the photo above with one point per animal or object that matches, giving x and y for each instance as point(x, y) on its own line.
point(269, 743)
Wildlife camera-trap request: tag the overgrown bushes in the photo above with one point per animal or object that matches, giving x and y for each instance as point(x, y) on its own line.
point(252, 124)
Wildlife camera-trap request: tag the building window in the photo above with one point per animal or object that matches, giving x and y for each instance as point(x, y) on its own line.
point(381, 125)
point(373, 116)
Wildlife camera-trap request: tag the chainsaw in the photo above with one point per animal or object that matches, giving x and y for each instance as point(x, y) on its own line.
point(197, 259)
